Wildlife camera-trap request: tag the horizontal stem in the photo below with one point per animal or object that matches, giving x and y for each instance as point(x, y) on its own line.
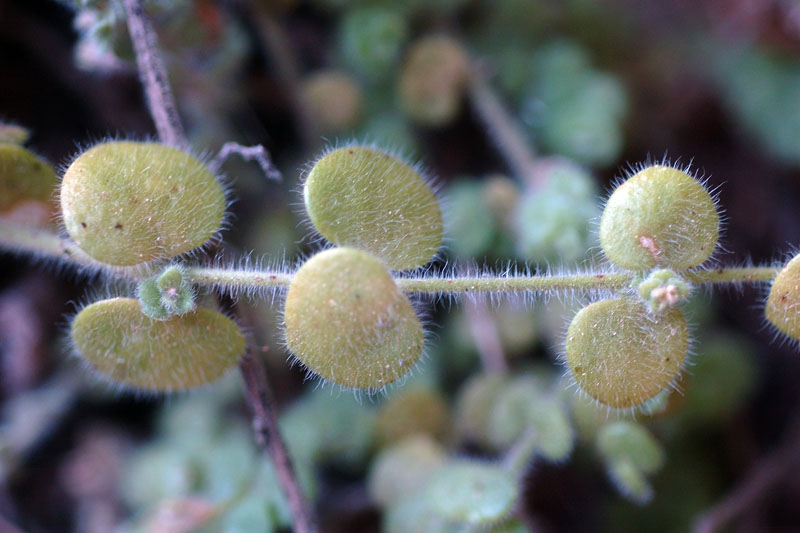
point(543, 284)
point(732, 275)
point(237, 278)
point(43, 243)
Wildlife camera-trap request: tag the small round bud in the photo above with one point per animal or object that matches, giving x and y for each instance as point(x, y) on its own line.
point(166, 295)
point(115, 338)
point(333, 100)
point(472, 493)
point(433, 79)
point(347, 320)
point(662, 289)
point(783, 304)
point(622, 355)
point(23, 177)
point(372, 200)
point(661, 216)
point(127, 203)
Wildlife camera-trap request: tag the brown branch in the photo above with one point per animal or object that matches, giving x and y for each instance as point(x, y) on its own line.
point(154, 76)
point(255, 153)
point(259, 395)
point(265, 424)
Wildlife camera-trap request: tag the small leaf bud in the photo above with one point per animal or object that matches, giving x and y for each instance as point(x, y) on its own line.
point(662, 289)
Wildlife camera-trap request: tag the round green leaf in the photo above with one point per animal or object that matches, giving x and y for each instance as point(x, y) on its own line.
point(783, 303)
point(621, 354)
point(472, 493)
point(23, 177)
point(127, 203)
point(129, 348)
point(661, 216)
point(347, 320)
point(369, 199)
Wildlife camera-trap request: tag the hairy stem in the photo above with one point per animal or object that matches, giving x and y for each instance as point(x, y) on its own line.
point(259, 395)
point(154, 76)
point(44, 244)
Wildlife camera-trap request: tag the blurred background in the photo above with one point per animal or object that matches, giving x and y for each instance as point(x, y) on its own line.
point(585, 90)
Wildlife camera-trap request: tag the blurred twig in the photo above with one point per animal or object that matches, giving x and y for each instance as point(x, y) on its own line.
point(484, 333)
point(502, 129)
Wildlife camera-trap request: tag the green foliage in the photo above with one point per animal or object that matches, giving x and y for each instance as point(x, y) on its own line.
point(348, 317)
point(574, 109)
point(621, 355)
point(631, 453)
point(372, 38)
point(127, 203)
point(660, 216)
point(469, 492)
point(404, 468)
point(433, 80)
point(552, 222)
point(115, 338)
point(347, 321)
point(24, 177)
point(760, 87)
point(382, 205)
point(784, 298)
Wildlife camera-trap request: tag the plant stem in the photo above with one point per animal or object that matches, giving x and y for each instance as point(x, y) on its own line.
point(45, 244)
point(154, 76)
point(259, 395)
point(265, 425)
point(503, 130)
point(484, 333)
point(519, 457)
